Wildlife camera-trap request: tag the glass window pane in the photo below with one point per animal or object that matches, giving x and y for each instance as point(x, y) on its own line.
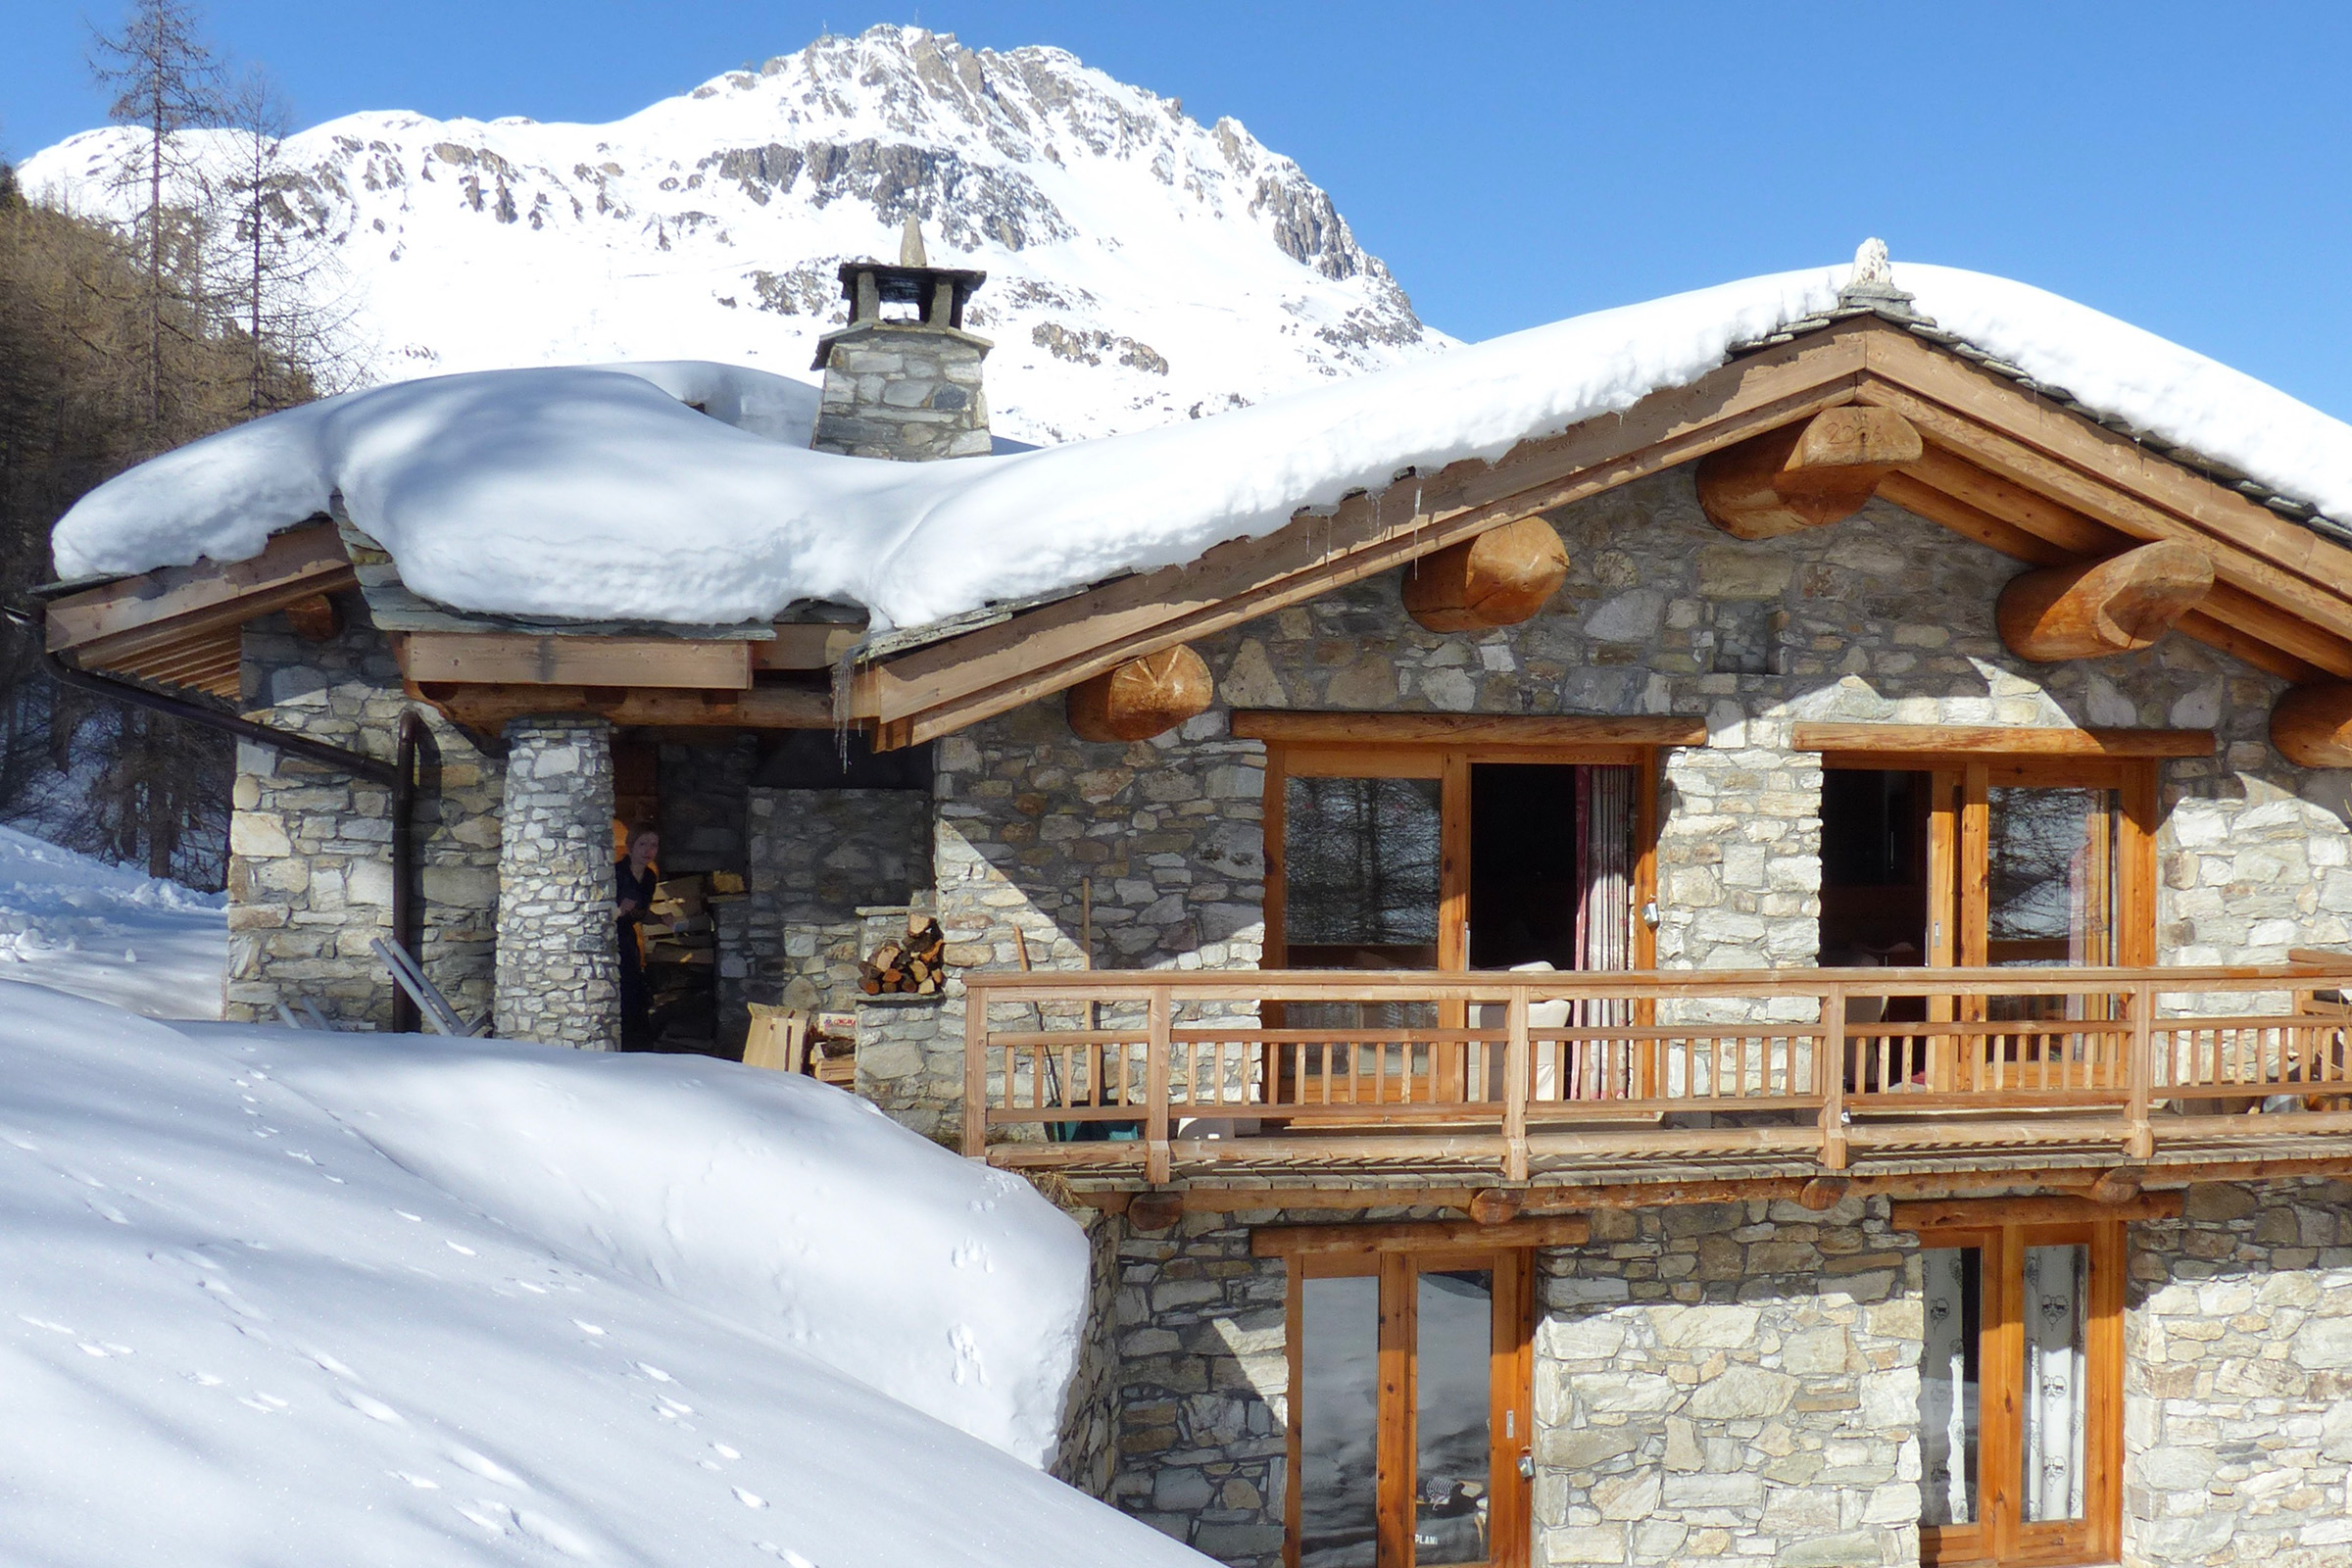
point(1950, 1402)
point(1456, 1329)
point(1361, 862)
point(2057, 1313)
point(2051, 874)
point(1339, 1376)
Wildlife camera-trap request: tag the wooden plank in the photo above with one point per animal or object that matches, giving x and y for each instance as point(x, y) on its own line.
point(1299, 728)
point(491, 708)
point(516, 659)
point(293, 565)
point(1406, 1236)
point(1963, 1213)
point(805, 645)
point(2000, 740)
point(997, 667)
point(1393, 1446)
point(1914, 495)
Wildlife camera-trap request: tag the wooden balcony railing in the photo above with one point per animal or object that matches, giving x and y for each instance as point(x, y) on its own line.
point(1146, 1071)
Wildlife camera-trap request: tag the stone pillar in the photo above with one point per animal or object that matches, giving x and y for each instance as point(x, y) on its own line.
point(559, 964)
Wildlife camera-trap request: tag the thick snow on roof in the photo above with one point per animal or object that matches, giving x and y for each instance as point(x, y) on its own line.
point(588, 494)
point(279, 1298)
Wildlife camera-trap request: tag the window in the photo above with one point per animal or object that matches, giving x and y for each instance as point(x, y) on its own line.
point(1409, 1412)
point(2021, 1394)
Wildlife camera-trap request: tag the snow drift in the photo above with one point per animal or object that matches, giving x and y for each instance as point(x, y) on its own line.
point(549, 492)
point(81, 926)
point(233, 1331)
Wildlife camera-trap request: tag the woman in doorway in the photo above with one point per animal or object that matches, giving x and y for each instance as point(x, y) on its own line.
point(634, 877)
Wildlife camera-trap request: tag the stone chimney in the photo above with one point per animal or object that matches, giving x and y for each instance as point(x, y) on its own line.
point(903, 379)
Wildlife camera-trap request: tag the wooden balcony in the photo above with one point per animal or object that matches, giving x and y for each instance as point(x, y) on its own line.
point(1889, 1078)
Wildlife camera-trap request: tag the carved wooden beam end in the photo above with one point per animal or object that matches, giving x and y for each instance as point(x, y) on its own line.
point(1142, 698)
point(2097, 607)
point(2312, 726)
point(1500, 578)
point(1806, 474)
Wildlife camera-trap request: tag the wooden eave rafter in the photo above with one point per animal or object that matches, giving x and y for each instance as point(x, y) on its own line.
point(2001, 466)
point(178, 625)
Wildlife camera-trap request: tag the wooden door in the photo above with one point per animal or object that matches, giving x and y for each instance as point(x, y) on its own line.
point(1409, 1409)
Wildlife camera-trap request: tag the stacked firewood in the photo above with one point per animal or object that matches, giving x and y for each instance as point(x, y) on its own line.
point(915, 967)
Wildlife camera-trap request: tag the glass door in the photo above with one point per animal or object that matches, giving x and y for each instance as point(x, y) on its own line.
point(1409, 1381)
point(2020, 1375)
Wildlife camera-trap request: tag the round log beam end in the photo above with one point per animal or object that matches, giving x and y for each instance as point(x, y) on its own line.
point(2312, 726)
point(1142, 698)
point(2099, 608)
point(1500, 578)
point(1495, 1206)
point(1156, 1209)
point(1806, 474)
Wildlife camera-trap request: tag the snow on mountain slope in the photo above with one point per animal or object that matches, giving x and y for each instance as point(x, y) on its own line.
point(94, 930)
point(1142, 268)
point(234, 1333)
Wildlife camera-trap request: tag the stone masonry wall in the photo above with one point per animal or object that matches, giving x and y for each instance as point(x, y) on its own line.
point(2237, 1387)
point(559, 965)
point(814, 859)
point(1729, 1383)
point(1203, 1387)
point(907, 392)
point(309, 877)
point(1088, 1455)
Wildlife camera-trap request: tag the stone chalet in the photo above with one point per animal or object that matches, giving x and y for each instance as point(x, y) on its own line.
point(1755, 980)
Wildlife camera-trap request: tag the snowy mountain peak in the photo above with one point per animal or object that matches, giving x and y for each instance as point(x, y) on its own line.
point(1143, 267)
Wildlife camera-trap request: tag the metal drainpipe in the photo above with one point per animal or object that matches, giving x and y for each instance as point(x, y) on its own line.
point(399, 775)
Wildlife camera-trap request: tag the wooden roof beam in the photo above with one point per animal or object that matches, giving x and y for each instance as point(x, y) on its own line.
point(101, 625)
point(520, 659)
point(2117, 606)
point(1805, 474)
point(489, 708)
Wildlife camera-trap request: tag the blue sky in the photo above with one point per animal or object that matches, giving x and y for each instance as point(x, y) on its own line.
point(2183, 167)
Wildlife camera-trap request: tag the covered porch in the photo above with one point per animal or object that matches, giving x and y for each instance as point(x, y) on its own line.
point(1812, 1080)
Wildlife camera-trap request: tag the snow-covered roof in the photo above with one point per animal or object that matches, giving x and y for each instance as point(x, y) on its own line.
point(596, 494)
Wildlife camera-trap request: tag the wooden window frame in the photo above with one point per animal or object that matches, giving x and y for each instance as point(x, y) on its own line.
point(1510, 1380)
point(1450, 763)
point(2000, 1539)
point(1959, 829)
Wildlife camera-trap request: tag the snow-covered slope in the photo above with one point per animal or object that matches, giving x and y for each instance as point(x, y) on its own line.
point(234, 1333)
point(545, 492)
point(78, 926)
point(1142, 267)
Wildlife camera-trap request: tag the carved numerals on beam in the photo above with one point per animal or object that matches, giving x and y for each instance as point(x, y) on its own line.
point(1805, 474)
point(2312, 726)
point(1141, 697)
point(1500, 578)
point(2096, 607)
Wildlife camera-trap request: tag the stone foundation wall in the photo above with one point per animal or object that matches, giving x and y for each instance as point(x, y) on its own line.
point(1730, 1382)
point(1088, 1455)
point(1203, 1388)
point(309, 876)
point(558, 962)
point(2237, 1383)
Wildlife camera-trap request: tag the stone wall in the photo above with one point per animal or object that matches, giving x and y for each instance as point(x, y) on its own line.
point(1088, 1455)
point(1203, 1388)
point(814, 859)
point(1730, 1382)
point(309, 876)
point(559, 964)
point(2237, 1387)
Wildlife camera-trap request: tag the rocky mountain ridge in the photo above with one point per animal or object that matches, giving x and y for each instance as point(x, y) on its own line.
point(1143, 267)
